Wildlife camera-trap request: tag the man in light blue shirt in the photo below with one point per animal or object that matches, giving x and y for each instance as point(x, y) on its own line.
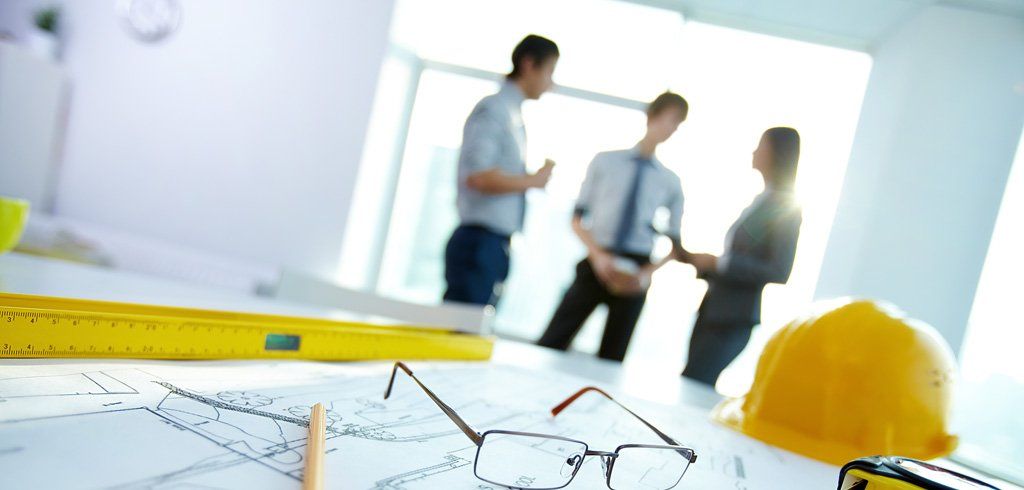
point(614, 218)
point(492, 177)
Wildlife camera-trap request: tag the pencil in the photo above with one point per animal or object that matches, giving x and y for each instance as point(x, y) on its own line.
point(313, 477)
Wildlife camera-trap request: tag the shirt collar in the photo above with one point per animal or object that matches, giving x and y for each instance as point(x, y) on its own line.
point(635, 154)
point(512, 93)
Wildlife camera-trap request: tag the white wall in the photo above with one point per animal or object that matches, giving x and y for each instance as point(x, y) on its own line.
point(32, 105)
point(941, 120)
point(240, 134)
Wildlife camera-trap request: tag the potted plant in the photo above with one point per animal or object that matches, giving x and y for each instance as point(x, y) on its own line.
point(43, 38)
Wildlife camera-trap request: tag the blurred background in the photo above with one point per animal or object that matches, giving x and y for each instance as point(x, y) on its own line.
point(225, 141)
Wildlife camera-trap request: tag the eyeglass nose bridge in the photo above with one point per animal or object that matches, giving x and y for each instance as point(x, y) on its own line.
point(607, 460)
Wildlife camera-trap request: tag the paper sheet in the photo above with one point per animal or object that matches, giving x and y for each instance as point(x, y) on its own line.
point(176, 425)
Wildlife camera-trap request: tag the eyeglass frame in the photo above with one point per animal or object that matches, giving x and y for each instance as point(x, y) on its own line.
point(607, 457)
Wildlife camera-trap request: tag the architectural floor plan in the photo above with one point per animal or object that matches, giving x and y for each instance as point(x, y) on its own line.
point(206, 425)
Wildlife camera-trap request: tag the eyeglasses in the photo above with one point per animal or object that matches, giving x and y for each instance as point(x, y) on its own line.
point(547, 462)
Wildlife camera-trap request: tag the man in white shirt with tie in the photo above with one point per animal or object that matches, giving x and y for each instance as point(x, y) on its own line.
point(493, 180)
point(614, 218)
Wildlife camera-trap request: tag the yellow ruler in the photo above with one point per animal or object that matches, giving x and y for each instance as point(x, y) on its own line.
point(42, 326)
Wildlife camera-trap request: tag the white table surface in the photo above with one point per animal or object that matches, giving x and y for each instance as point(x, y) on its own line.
point(27, 274)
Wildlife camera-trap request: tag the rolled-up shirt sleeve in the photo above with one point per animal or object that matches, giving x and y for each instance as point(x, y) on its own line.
point(481, 142)
point(585, 200)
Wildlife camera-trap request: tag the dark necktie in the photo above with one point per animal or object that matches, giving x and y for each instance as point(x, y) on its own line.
point(627, 221)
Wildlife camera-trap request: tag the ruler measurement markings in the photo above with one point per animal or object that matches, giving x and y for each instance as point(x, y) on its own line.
point(217, 336)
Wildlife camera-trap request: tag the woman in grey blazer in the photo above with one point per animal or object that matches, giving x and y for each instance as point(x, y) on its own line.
point(759, 249)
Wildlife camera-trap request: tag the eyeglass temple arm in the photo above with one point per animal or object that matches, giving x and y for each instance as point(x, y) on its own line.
point(449, 411)
point(568, 401)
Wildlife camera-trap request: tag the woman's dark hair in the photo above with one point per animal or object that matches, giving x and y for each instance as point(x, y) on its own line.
point(534, 47)
point(785, 146)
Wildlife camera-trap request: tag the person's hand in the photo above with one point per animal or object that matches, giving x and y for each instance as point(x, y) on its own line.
point(626, 284)
point(704, 263)
point(604, 266)
point(541, 177)
point(682, 255)
point(642, 280)
point(644, 277)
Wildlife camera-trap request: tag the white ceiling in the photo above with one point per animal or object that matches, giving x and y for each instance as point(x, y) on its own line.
point(855, 24)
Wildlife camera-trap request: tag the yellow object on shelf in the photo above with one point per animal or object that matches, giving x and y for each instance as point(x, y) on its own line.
point(42, 326)
point(855, 381)
point(13, 214)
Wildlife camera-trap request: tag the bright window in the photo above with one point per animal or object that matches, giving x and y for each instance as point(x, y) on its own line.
point(607, 46)
point(621, 56)
point(991, 393)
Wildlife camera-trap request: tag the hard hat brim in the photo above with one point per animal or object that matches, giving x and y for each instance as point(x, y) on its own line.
point(731, 413)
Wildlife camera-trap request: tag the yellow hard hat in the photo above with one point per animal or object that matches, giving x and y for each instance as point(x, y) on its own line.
point(857, 380)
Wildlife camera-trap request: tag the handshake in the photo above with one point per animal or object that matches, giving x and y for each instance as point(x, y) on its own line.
point(704, 263)
point(624, 277)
